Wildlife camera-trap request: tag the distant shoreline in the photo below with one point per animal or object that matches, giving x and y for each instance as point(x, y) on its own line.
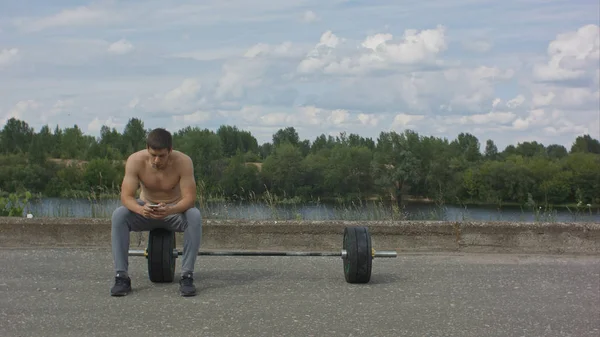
point(410, 200)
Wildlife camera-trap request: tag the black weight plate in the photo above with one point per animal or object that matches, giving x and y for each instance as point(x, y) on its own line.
point(161, 261)
point(365, 258)
point(358, 261)
point(351, 260)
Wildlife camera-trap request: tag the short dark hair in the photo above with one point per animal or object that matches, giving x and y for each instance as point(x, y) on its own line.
point(159, 139)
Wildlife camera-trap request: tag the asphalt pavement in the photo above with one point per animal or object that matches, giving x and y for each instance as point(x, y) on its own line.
point(65, 292)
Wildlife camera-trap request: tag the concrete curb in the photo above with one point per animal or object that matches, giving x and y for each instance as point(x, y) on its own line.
point(402, 236)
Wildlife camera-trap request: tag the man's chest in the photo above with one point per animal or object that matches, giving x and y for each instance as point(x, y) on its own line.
point(159, 180)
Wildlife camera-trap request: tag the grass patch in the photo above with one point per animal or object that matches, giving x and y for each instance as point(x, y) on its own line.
point(101, 204)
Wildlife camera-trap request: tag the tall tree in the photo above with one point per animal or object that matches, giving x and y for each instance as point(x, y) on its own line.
point(466, 146)
point(283, 170)
point(491, 150)
point(134, 136)
point(555, 151)
point(16, 136)
point(586, 144)
point(287, 135)
point(394, 167)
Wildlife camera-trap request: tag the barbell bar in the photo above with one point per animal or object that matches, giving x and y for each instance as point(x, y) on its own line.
point(357, 254)
point(342, 254)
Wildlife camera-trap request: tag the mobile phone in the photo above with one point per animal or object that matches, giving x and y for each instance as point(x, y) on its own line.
point(153, 205)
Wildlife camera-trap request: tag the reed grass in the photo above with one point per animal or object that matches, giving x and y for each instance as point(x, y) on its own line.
point(268, 206)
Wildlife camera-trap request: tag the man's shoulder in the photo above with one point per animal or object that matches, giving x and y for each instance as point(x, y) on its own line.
point(136, 158)
point(137, 155)
point(182, 157)
point(183, 162)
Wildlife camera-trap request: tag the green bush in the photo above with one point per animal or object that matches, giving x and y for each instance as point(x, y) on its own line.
point(14, 204)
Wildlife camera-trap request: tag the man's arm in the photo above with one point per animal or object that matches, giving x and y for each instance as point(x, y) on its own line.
point(129, 186)
point(187, 185)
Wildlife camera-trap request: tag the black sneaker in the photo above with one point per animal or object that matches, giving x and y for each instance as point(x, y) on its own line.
point(122, 286)
point(186, 285)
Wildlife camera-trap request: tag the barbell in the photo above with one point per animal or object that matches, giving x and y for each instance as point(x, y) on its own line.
point(357, 254)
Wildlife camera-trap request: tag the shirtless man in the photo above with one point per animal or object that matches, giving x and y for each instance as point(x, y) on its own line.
point(166, 178)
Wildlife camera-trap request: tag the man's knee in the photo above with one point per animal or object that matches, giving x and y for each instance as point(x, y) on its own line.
point(193, 217)
point(119, 216)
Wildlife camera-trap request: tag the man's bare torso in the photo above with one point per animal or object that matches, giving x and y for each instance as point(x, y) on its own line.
point(158, 185)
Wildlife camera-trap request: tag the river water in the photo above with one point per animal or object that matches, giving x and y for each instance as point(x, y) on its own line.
point(57, 207)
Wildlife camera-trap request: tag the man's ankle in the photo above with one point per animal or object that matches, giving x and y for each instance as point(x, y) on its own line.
point(122, 274)
point(122, 285)
point(186, 284)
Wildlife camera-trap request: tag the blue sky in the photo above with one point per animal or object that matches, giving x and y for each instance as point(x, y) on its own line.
point(509, 71)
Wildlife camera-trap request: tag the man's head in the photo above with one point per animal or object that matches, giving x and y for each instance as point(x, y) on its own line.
point(159, 144)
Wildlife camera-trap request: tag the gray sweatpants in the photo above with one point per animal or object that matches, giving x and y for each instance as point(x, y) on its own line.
point(125, 221)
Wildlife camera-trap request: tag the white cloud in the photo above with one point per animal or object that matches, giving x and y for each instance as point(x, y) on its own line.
point(8, 56)
point(338, 116)
point(540, 100)
point(183, 99)
point(571, 56)
point(153, 16)
point(403, 120)
point(210, 54)
point(369, 120)
point(309, 16)
point(479, 46)
point(309, 116)
point(237, 77)
point(121, 47)
point(496, 102)
point(195, 117)
point(40, 112)
point(321, 54)
point(308, 120)
point(276, 119)
point(568, 128)
point(96, 124)
point(22, 110)
point(260, 66)
point(188, 89)
point(565, 96)
point(489, 118)
point(263, 49)
point(464, 90)
point(248, 71)
point(515, 102)
point(133, 103)
point(70, 17)
point(375, 52)
point(520, 124)
point(59, 107)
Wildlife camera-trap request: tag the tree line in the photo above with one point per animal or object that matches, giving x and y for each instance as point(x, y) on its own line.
point(230, 164)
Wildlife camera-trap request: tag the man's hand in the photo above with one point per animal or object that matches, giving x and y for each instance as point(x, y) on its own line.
point(160, 212)
point(147, 211)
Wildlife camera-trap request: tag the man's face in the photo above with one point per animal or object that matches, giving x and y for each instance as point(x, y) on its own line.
point(159, 158)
